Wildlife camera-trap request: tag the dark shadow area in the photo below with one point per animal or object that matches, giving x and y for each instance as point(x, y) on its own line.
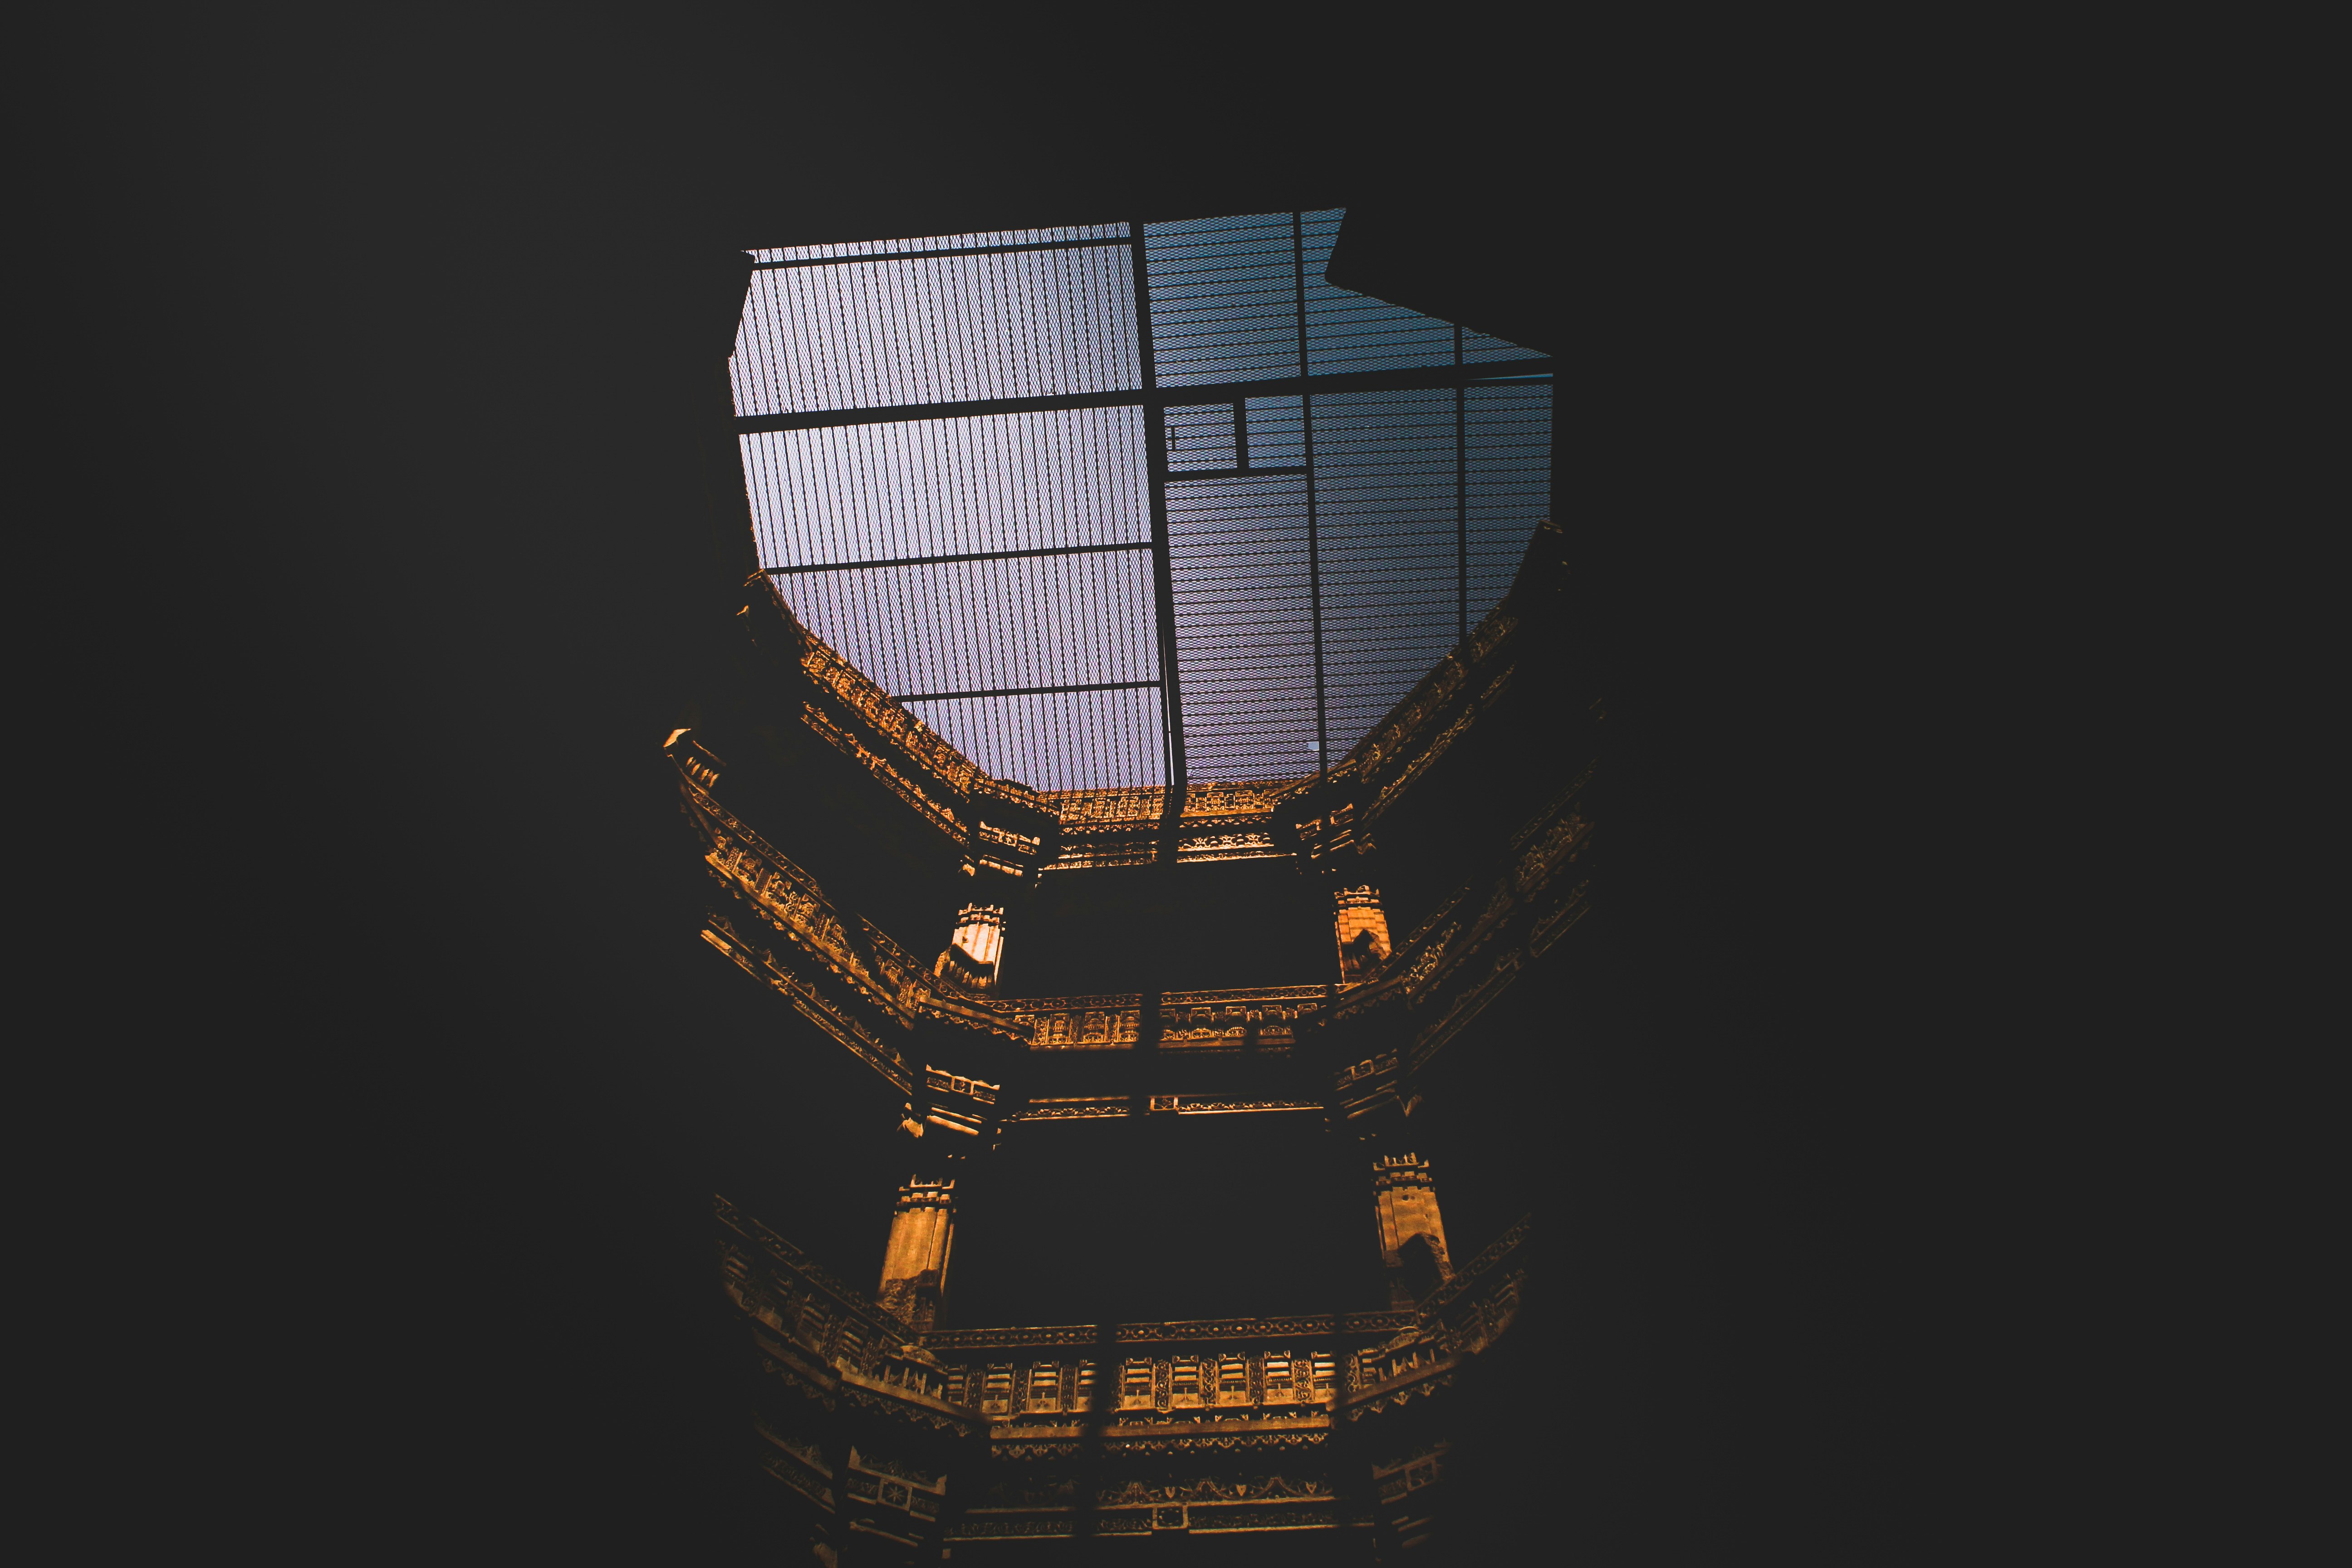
point(1168, 1217)
point(441, 450)
point(1185, 928)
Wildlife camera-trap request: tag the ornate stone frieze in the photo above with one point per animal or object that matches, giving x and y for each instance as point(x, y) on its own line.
point(1395, 1478)
point(955, 1083)
point(1211, 1490)
point(1204, 1105)
point(1455, 964)
point(857, 952)
point(1467, 1004)
point(1558, 921)
point(786, 897)
point(799, 1480)
point(971, 1529)
point(1304, 998)
point(808, 1001)
point(1119, 1440)
point(1421, 763)
point(1195, 1019)
point(1406, 744)
point(1271, 1383)
point(805, 1283)
point(807, 1453)
point(1016, 1492)
point(1241, 1411)
point(1093, 855)
point(952, 1340)
point(1458, 1321)
point(922, 992)
point(939, 814)
point(1080, 808)
point(1073, 1108)
point(1257, 845)
point(1263, 1328)
point(1396, 1395)
point(1330, 819)
point(917, 743)
point(1121, 827)
point(1079, 1023)
point(1443, 915)
point(1216, 1521)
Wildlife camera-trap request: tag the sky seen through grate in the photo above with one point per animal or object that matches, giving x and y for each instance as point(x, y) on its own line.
point(995, 568)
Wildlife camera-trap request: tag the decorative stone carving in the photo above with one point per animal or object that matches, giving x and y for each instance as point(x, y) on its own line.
point(1362, 931)
point(1411, 1232)
point(915, 1268)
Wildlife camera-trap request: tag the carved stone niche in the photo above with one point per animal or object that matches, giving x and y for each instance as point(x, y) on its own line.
point(975, 951)
point(1112, 1023)
point(914, 1494)
point(1405, 1203)
point(1361, 930)
point(1226, 1380)
point(1288, 1380)
point(1395, 1478)
point(1135, 1386)
point(996, 1389)
point(1209, 1024)
point(1184, 1381)
point(914, 1270)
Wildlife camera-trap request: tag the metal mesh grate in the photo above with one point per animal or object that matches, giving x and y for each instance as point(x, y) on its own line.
point(1001, 240)
point(1507, 481)
point(1245, 625)
point(981, 626)
point(944, 487)
point(917, 329)
point(1067, 740)
point(1224, 300)
point(1348, 491)
point(1384, 481)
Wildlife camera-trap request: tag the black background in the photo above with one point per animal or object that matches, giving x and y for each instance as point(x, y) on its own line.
point(400, 361)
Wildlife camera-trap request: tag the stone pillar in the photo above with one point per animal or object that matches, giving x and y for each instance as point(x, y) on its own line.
point(1412, 1235)
point(1362, 931)
point(976, 952)
point(914, 1269)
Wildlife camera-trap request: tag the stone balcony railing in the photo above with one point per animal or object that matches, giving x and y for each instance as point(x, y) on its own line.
point(1143, 1387)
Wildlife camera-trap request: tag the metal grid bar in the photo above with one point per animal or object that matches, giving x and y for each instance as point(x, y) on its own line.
point(990, 626)
point(875, 331)
point(1314, 547)
point(949, 560)
point(1058, 740)
point(1027, 691)
point(1520, 366)
point(1388, 550)
point(1245, 635)
point(1507, 467)
point(962, 250)
point(1233, 473)
point(1155, 458)
point(874, 248)
point(1461, 508)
